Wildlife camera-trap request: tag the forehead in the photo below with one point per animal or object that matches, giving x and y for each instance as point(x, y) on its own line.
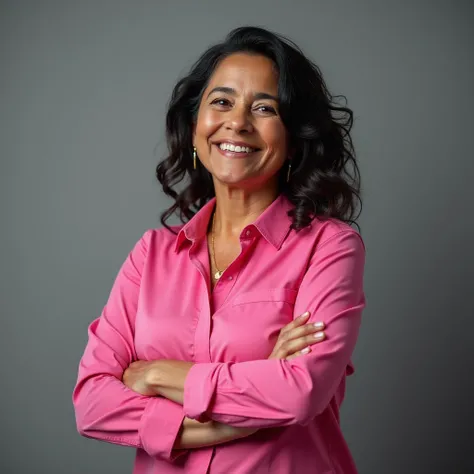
point(246, 72)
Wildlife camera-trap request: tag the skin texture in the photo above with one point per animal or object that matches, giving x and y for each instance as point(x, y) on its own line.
point(239, 114)
point(158, 377)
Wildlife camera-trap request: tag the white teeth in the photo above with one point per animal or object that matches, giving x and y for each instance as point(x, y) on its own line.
point(236, 149)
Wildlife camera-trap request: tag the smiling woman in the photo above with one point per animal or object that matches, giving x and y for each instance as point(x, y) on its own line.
point(244, 317)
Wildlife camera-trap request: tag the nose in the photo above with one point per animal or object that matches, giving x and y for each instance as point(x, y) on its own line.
point(239, 120)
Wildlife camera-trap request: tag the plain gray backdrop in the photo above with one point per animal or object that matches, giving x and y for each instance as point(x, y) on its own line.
point(84, 89)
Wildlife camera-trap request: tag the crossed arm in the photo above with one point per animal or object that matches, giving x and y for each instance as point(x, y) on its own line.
point(166, 378)
point(249, 395)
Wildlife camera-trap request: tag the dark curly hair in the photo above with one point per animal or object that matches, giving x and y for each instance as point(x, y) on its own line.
point(325, 179)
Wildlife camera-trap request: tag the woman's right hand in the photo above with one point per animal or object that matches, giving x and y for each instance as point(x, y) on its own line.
point(296, 338)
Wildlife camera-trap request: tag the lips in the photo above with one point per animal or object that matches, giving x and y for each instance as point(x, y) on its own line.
point(235, 149)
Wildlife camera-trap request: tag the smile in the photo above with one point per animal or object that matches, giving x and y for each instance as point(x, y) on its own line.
point(236, 149)
point(233, 150)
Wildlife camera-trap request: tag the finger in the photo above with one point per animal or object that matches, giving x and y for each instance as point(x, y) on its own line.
point(304, 351)
point(294, 346)
point(296, 322)
point(301, 331)
point(297, 333)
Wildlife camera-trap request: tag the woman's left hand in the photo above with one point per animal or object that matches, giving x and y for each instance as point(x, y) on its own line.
point(139, 377)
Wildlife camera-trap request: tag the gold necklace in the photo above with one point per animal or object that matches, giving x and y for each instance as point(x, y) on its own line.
point(218, 273)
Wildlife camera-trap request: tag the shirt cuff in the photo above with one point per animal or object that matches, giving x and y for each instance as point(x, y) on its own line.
point(199, 388)
point(160, 425)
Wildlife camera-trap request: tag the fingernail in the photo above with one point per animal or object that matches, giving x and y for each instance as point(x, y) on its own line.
point(318, 325)
point(318, 335)
point(305, 350)
point(304, 315)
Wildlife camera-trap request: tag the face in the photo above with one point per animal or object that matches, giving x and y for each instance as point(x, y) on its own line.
point(239, 135)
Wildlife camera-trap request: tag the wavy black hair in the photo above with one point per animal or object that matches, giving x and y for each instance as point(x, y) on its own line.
point(325, 178)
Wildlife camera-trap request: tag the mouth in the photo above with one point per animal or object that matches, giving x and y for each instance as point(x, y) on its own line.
point(235, 150)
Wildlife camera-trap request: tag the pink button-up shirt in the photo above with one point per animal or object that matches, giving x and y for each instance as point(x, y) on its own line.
point(161, 307)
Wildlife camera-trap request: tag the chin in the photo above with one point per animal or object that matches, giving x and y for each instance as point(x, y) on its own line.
point(232, 181)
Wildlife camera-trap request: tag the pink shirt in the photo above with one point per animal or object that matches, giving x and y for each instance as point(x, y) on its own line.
point(161, 307)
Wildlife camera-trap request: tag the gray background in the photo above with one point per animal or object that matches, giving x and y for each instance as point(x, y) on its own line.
point(84, 88)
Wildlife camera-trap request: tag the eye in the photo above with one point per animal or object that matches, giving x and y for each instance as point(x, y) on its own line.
point(221, 102)
point(266, 109)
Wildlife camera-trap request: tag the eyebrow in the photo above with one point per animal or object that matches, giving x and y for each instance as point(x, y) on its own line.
point(231, 91)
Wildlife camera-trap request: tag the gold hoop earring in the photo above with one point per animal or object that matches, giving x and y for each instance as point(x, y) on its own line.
point(289, 172)
point(194, 158)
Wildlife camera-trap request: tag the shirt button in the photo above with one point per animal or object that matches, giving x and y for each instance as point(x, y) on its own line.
point(248, 233)
point(229, 278)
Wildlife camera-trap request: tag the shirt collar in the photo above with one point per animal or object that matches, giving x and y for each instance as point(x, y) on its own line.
point(273, 224)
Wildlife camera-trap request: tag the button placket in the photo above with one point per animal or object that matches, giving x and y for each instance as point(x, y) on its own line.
point(227, 282)
point(203, 320)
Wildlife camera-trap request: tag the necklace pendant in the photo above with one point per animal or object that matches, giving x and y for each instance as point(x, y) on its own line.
point(217, 275)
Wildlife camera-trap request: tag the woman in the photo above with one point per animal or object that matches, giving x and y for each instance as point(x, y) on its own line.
point(198, 358)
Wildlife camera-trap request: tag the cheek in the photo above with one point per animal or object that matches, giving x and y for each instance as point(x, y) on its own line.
point(207, 124)
point(276, 138)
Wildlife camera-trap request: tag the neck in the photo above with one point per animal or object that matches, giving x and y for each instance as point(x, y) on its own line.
point(235, 210)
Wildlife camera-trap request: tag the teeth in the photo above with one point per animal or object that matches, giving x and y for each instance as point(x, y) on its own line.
point(236, 149)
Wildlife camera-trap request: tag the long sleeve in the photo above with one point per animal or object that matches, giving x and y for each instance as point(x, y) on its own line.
point(105, 408)
point(270, 393)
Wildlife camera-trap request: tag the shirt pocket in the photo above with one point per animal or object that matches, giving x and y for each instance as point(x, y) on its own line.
point(277, 295)
point(248, 328)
